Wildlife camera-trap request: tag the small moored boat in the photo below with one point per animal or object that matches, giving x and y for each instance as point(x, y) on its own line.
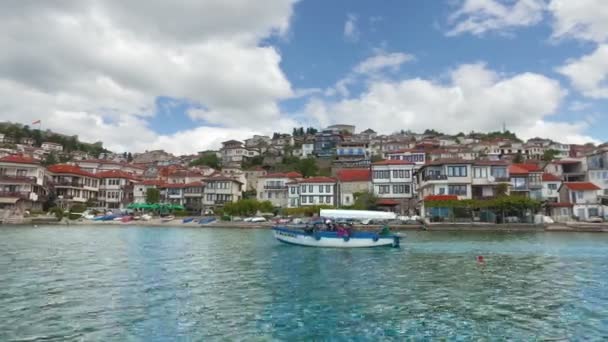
point(333, 239)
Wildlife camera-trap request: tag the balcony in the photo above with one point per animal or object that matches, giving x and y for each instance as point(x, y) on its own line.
point(535, 185)
point(275, 187)
point(17, 179)
point(427, 178)
point(74, 184)
point(19, 194)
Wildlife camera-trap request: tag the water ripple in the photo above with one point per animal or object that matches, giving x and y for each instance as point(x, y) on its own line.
point(111, 283)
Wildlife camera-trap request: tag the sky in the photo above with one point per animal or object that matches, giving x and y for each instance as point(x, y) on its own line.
point(186, 75)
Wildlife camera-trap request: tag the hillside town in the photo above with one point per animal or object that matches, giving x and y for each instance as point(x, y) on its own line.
point(404, 172)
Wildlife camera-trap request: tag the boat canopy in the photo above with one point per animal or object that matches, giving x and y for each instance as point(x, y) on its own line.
point(357, 214)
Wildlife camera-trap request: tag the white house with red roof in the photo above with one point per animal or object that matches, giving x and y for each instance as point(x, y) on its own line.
point(582, 199)
point(273, 187)
point(73, 184)
point(312, 191)
point(141, 188)
point(446, 177)
point(393, 185)
point(100, 165)
point(116, 189)
point(22, 183)
point(526, 179)
point(550, 190)
point(220, 190)
point(352, 182)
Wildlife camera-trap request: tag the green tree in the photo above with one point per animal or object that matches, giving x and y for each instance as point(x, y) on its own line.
point(307, 167)
point(365, 201)
point(208, 159)
point(519, 158)
point(50, 159)
point(376, 158)
point(549, 155)
point(152, 196)
point(129, 157)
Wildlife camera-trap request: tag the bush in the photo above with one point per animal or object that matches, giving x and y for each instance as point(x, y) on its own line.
point(180, 213)
point(77, 208)
point(58, 212)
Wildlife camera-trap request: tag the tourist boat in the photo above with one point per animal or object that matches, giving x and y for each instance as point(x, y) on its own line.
point(333, 239)
point(206, 220)
point(167, 218)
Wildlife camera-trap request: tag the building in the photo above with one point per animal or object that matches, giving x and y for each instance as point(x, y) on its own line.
point(551, 184)
point(352, 154)
point(27, 141)
point(140, 189)
point(325, 143)
point(116, 189)
point(220, 190)
point(393, 185)
point(273, 187)
point(185, 176)
point(307, 150)
point(410, 155)
point(258, 141)
point(52, 147)
point(352, 182)
point(490, 179)
point(446, 177)
point(569, 169)
point(597, 169)
point(581, 199)
point(347, 129)
point(149, 157)
point(252, 177)
point(193, 196)
point(101, 165)
point(233, 152)
point(563, 150)
point(312, 191)
point(526, 180)
point(73, 185)
point(22, 183)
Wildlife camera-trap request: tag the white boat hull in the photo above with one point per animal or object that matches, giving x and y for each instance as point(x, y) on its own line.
point(320, 240)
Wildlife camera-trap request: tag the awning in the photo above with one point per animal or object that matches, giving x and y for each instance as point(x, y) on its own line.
point(387, 202)
point(8, 200)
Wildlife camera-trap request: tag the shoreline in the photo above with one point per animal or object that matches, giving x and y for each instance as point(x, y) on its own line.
point(454, 227)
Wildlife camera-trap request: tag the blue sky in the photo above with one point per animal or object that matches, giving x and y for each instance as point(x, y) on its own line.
point(213, 74)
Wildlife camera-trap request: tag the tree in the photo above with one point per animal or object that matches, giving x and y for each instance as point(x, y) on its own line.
point(152, 195)
point(519, 158)
point(208, 159)
point(376, 158)
point(129, 157)
point(50, 159)
point(365, 201)
point(549, 155)
point(307, 167)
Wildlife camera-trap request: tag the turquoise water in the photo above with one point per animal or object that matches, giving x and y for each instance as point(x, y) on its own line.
point(158, 284)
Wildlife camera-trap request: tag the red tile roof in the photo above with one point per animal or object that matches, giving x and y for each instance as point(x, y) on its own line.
point(19, 159)
point(441, 198)
point(354, 175)
point(70, 169)
point(153, 182)
point(115, 174)
point(393, 162)
point(548, 177)
point(581, 186)
point(387, 202)
point(523, 169)
point(318, 180)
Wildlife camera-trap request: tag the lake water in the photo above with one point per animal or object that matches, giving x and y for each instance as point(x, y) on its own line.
point(158, 284)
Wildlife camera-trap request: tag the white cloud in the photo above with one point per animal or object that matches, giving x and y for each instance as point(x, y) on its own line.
point(351, 32)
point(589, 74)
point(383, 61)
point(581, 19)
point(475, 98)
point(478, 17)
point(95, 67)
point(577, 106)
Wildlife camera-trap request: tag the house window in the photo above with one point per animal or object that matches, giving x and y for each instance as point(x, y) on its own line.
point(480, 172)
point(457, 171)
point(384, 189)
point(328, 189)
point(310, 189)
point(593, 212)
point(327, 199)
point(21, 172)
point(460, 190)
point(293, 190)
point(441, 191)
point(579, 195)
point(304, 199)
point(499, 172)
point(382, 174)
point(303, 189)
point(321, 189)
point(552, 186)
point(347, 199)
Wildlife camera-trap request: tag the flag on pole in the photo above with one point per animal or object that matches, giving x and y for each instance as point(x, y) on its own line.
point(36, 122)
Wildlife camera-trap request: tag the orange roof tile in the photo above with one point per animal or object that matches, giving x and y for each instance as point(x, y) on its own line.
point(19, 159)
point(354, 175)
point(70, 169)
point(548, 177)
point(581, 186)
